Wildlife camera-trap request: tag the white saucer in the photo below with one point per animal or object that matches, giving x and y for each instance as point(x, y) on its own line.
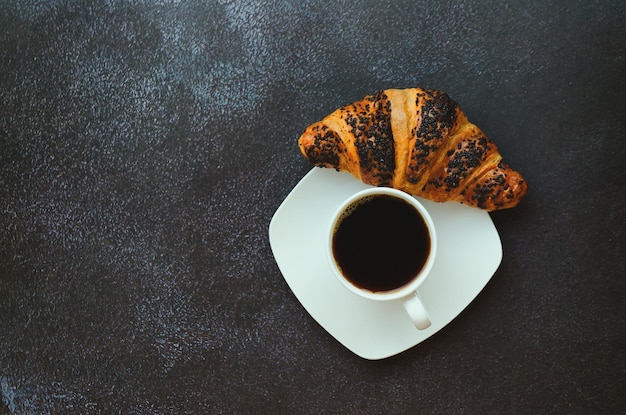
point(469, 252)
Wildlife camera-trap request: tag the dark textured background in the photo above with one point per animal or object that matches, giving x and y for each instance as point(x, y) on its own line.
point(144, 147)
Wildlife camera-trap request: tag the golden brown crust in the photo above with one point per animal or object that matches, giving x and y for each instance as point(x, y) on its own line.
point(418, 141)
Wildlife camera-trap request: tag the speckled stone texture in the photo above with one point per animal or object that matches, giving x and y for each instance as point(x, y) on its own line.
point(144, 147)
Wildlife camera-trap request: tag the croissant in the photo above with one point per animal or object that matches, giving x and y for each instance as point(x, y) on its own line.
point(418, 141)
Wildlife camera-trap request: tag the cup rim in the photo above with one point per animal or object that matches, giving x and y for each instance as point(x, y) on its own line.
point(407, 289)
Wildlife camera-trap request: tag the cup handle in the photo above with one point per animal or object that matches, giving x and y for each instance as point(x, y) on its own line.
point(415, 307)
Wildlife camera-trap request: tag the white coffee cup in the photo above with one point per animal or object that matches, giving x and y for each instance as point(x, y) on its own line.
point(396, 220)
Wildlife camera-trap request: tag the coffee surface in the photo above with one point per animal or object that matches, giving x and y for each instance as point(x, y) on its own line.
point(381, 243)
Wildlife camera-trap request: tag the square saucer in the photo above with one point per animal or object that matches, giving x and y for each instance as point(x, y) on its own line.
point(469, 252)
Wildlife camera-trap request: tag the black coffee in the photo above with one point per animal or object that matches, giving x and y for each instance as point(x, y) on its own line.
point(381, 243)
